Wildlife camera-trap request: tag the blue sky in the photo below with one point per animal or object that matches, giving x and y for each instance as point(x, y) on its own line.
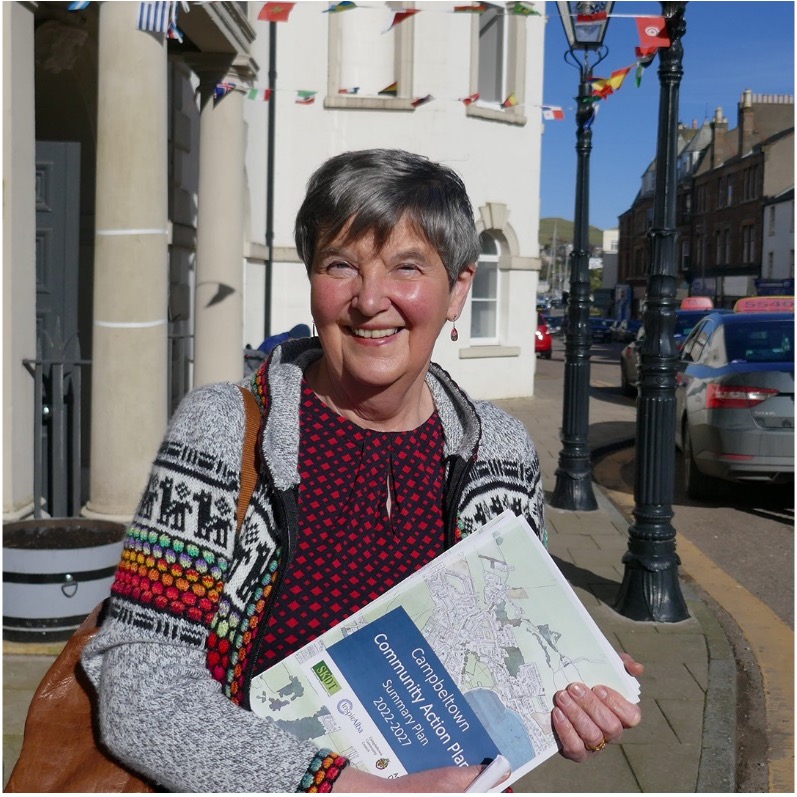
point(728, 47)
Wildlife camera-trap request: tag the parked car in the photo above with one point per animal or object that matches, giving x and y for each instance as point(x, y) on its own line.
point(601, 329)
point(685, 321)
point(543, 342)
point(625, 330)
point(554, 323)
point(735, 400)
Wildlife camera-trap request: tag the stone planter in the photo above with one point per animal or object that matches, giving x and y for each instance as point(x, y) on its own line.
point(55, 572)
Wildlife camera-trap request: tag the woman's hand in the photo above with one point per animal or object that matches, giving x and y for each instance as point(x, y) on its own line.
point(586, 720)
point(445, 779)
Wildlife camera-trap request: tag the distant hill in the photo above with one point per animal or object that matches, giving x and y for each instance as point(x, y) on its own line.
point(564, 232)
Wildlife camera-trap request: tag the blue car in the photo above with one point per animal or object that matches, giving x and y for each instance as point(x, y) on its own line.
point(735, 401)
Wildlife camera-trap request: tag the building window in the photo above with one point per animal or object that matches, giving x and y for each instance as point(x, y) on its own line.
point(748, 243)
point(727, 242)
point(685, 255)
point(492, 85)
point(717, 247)
point(498, 69)
point(770, 264)
point(363, 57)
point(771, 219)
point(729, 192)
point(484, 293)
point(720, 191)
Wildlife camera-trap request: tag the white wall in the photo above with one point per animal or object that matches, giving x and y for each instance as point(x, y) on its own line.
point(499, 163)
point(781, 243)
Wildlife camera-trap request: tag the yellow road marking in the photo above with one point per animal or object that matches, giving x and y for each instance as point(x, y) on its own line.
point(772, 644)
point(771, 640)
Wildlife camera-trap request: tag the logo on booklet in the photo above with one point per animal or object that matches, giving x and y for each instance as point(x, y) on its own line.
point(326, 677)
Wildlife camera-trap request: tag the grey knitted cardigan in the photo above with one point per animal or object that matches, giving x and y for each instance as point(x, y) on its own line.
point(185, 608)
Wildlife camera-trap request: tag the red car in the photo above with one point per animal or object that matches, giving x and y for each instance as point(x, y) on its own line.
point(543, 342)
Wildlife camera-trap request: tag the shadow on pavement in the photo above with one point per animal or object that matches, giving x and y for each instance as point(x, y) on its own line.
point(605, 589)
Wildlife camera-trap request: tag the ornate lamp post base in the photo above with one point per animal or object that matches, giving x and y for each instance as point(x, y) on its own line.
point(650, 588)
point(574, 490)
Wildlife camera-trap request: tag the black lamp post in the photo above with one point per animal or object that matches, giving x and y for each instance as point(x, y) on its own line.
point(585, 27)
point(650, 588)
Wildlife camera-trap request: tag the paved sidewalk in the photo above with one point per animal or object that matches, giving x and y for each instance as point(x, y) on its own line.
point(687, 739)
point(686, 742)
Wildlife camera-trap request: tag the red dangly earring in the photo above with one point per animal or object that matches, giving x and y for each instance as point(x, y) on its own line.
point(454, 333)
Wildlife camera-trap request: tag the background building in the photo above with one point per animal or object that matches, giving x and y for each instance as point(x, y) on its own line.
point(135, 247)
point(725, 180)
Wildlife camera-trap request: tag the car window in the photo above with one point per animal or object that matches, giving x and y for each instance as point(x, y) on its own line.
point(697, 340)
point(761, 341)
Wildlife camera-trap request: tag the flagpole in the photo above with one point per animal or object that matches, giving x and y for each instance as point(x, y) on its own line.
point(272, 111)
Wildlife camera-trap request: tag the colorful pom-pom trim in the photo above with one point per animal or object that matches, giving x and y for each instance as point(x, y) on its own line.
point(322, 772)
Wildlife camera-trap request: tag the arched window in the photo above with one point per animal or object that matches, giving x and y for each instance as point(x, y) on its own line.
point(484, 293)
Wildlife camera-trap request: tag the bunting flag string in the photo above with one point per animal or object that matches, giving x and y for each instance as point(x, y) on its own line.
point(604, 87)
point(275, 12)
point(78, 6)
point(511, 101)
point(156, 17)
point(308, 97)
point(552, 112)
point(653, 32)
point(305, 97)
point(335, 8)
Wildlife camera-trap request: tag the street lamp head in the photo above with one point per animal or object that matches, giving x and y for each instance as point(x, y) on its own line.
point(585, 24)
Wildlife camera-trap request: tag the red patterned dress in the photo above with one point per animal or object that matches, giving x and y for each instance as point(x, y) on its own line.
point(370, 513)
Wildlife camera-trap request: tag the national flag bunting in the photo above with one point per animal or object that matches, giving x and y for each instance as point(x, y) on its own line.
point(525, 10)
point(221, 90)
point(263, 95)
point(400, 16)
point(653, 32)
point(594, 16)
point(156, 17)
point(335, 8)
point(510, 102)
point(645, 56)
point(275, 12)
point(418, 101)
point(478, 8)
point(552, 112)
point(353, 90)
point(305, 97)
point(391, 90)
point(470, 98)
point(603, 87)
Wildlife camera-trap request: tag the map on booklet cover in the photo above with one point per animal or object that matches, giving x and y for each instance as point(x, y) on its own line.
point(457, 662)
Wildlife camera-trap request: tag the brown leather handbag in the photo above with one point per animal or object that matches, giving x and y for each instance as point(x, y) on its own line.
point(61, 751)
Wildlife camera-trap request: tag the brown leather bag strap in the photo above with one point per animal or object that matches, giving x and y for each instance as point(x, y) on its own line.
point(248, 455)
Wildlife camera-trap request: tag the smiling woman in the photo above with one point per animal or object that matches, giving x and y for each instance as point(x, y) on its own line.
point(373, 462)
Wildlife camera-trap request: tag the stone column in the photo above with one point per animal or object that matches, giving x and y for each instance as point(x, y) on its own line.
point(218, 319)
point(129, 390)
point(19, 258)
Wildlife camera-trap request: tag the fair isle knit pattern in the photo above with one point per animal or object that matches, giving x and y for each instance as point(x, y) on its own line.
point(190, 598)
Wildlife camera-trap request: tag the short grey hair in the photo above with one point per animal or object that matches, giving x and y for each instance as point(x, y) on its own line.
point(376, 188)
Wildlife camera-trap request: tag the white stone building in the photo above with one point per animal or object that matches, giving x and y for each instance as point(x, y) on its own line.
point(135, 207)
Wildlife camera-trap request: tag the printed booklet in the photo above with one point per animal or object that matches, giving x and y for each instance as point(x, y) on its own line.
point(454, 665)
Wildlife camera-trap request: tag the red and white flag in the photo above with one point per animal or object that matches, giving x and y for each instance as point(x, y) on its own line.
point(652, 32)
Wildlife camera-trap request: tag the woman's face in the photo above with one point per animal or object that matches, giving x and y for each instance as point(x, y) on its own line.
point(378, 313)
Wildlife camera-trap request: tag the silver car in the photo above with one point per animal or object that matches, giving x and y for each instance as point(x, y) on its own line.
point(735, 401)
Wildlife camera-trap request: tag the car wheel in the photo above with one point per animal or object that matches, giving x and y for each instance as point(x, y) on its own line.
point(626, 387)
point(548, 354)
point(697, 484)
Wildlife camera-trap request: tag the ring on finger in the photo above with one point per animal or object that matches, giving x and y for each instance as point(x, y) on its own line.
point(598, 747)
